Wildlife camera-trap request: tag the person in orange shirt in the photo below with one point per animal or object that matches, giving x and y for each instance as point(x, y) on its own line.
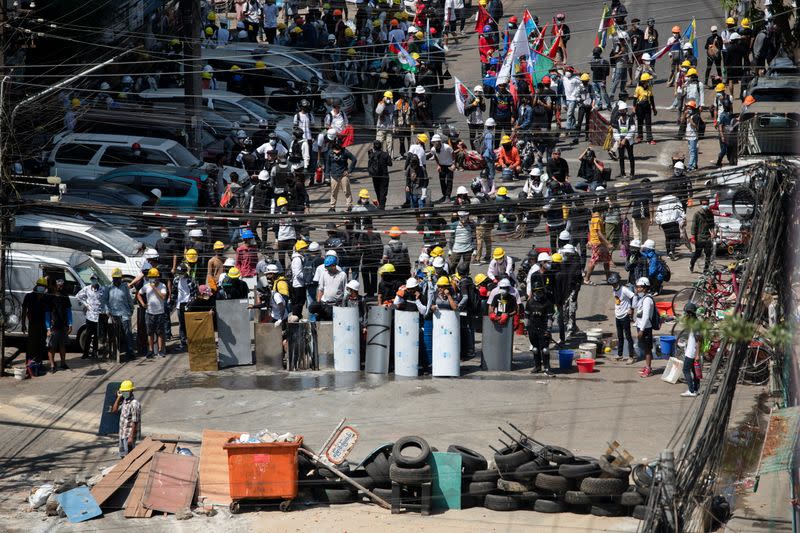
point(598, 244)
point(508, 156)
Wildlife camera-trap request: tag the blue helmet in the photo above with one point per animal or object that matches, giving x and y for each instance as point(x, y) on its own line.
point(487, 29)
point(248, 234)
point(330, 261)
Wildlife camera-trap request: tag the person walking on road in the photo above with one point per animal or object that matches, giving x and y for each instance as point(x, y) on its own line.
point(118, 302)
point(130, 417)
point(378, 163)
point(693, 342)
point(339, 166)
point(644, 306)
point(623, 309)
point(624, 130)
point(703, 231)
point(645, 108)
point(32, 321)
point(384, 122)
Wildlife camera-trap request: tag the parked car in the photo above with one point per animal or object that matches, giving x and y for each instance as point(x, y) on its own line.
point(109, 247)
point(182, 187)
point(784, 89)
point(28, 263)
point(87, 155)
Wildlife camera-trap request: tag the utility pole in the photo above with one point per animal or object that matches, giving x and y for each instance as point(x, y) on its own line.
point(4, 189)
point(193, 90)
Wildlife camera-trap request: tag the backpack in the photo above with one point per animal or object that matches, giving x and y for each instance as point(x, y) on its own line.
point(398, 256)
point(701, 125)
point(308, 271)
point(296, 152)
point(374, 163)
point(663, 268)
point(473, 307)
point(655, 318)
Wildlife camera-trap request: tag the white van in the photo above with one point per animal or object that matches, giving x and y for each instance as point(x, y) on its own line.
point(26, 263)
point(107, 246)
point(89, 155)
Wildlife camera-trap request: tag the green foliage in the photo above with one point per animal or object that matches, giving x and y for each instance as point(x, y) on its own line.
point(779, 336)
point(736, 329)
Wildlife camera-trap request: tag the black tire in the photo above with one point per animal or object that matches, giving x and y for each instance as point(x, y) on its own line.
point(384, 494)
point(639, 512)
point(684, 296)
point(416, 460)
point(529, 498)
point(576, 497)
point(557, 454)
point(378, 468)
point(499, 501)
point(644, 491)
point(631, 498)
point(470, 459)
point(642, 476)
point(363, 479)
point(579, 471)
point(410, 476)
point(481, 488)
point(510, 462)
point(335, 496)
point(583, 460)
point(527, 472)
point(549, 506)
point(620, 472)
point(553, 483)
point(607, 509)
point(484, 475)
point(595, 486)
point(344, 468)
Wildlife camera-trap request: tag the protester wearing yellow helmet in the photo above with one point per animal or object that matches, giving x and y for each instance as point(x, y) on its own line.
point(153, 297)
point(644, 107)
point(232, 286)
point(443, 300)
point(130, 417)
point(501, 266)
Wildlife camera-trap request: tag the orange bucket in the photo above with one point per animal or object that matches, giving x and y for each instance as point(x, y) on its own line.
point(665, 309)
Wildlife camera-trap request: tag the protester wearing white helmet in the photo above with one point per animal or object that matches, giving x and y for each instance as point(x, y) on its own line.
point(644, 307)
point(408, 297)
point(474, 111)
point(534, 185)
point(445, 164)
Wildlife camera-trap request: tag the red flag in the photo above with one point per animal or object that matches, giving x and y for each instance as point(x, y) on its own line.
point(483, 19)
point(512, 88)
point(554, 47)
point(556, 28)
point(538, 44)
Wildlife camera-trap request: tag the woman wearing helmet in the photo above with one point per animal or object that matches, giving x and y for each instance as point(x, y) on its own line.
point(645, 107)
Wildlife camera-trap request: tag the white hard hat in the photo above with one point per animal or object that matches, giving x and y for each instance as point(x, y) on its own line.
point(150, 253)
point(313, 247)
point(649, 244)
point(600, 188)
point(156, 192)
point(679, 165)
point(412, 29)
point(687, 46)
point(196, 233)
point(489, 122)
point(714, 28)
point(564, 235)
point(635, 243)
point(105, 86)
point(263, 175)
point(331, 253)
point(241, 134)
point(191, 221)
point(504, 283)
point(353, 285)
point(622, 105)
point(438, 262)
point(420, 89)
point(461, 190)
point(436, 138)
point(127, 80)
point(229, 262)
point(423, 257)
point(463, 213)
point(568, 249)
point(412, 283)
point(643, 282)
point(478, 89)
point(331, 133)
point(646, 57)
point(734, 36)
point(536, 171)
point(543, 256)
point(272, 268)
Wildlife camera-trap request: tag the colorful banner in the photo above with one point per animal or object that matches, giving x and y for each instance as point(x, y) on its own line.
point(519, 48)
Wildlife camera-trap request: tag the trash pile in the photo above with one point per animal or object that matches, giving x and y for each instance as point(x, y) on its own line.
point(265, 436)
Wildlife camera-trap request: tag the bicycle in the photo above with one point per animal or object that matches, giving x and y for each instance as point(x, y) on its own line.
point(712, 292)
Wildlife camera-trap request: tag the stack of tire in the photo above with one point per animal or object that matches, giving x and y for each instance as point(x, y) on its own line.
point(409, 462)
point(326, 487)
point(476, 480)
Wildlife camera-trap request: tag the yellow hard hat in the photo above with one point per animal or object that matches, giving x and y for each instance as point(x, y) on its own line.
point(745, 22)
point(686, 63)
point(414, 56)
point(126, 386)
point(480, 277)
point(419, 35)
point(153, 273)
point(211, 16)
point(482, 3)
point(505, 139)
point(646, 77)
point(430, 270)
point(351, 51)
point(326, 6)
point(443, 281)
point(730, 20)
point(388, 94)
point(348, 32)
point(376, 23)
point(502, 191)
point(422, 137)
point(173, 42)
point(720, 88)
point(235, 67)
point(206, 75)
point(556, 258)
point(191, 255)
point(436, 252)
point(403, 15)
point(363, 193)
point(209, 31)
point(281, 25)
point(261, 64)
point(691, 72)
point(219, 245)
point(281, 201)
point(585, 77)
point(234, 273)
point(297, 29)
point(499, 253)
point(388, 268)
point(116, 273)
point(43, 281)
point(75, 102)
point(300, 245)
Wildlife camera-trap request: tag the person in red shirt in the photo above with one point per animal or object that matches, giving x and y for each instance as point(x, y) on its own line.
point(486, 48)
point(247, 255)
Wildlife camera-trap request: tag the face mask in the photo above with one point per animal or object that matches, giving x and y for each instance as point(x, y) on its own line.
point(568, 74)
point(152, 281)
point(116, 282)
point(503, 291)
point(137, 153)
point(126, 395)
point(164, 234)
point(40, 289)
point(705, 207)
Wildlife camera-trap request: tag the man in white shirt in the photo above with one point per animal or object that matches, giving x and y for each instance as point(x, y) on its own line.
point(445, 164)
point(152, 297)
point(572, 86)
point(690, 354)
point(298, 264)
point(623, 309)
point(331, 290)
point(644, 305)
point(270, 14)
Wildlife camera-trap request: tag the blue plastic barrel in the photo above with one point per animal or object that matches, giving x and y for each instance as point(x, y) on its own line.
point(667, 344)
point(426, 358)
point(565, 359)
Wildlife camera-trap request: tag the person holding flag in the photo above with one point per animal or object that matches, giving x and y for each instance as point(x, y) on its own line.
point(503, 110)
point(562, 33)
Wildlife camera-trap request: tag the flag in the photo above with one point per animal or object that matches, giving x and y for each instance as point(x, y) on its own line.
point(402, 56)
point(554, 47)
point(538, 44)
point(527, 21)
point(519, 47)
point(483, 19)
point(690, 34)
point(540, 66)
point(512, 88)
point(606, 26)
point(462, 94)
point(664, 49)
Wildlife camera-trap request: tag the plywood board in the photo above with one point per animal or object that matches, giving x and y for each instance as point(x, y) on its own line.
point(214, 483)
point(171, 483)
point(269, 347)
point(202, 346)
point(233, 328)
point(133, 506)
point(125, 470)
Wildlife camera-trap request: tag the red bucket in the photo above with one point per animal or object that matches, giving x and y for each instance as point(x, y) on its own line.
point(665, 309)
point(585, 366)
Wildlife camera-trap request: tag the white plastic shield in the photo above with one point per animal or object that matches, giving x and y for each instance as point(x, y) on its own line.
point(446, 344)
point(346, 331)
point(406, 343)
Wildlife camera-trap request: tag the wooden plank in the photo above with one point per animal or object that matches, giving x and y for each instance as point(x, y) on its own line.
point(124, 470)
point(172, 482)
point(202, 345)
point(134, 507)
point(166, 438)
point(214, 483)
